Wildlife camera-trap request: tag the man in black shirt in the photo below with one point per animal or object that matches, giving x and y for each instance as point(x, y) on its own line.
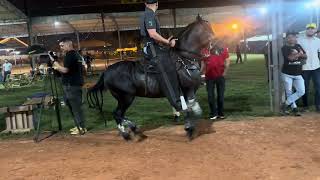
point(294, 57)
point(72, 81)
point(150, 32)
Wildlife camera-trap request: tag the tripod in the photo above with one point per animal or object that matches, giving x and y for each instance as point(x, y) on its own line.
point(49, 81)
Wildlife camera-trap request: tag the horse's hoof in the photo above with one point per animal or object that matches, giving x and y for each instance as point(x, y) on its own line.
point(133, 128)
point(176, 118)
point(138, 135)
point(190, 133)
point(126, 136)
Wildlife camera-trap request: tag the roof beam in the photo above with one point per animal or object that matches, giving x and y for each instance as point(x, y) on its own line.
point(12, 9)
point(11, 22)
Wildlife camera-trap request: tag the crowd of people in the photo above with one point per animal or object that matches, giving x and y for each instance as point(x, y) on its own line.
point(301, 54)
point(301, 64)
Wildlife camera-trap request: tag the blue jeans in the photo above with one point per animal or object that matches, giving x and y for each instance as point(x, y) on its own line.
point(297, 82)
point(5, 75)
point(315, 75)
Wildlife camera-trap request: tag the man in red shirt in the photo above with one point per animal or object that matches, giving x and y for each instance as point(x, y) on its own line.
point(215, 67)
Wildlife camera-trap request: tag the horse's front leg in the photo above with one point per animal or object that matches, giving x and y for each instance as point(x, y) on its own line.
point(193, 114)
point(194, 107)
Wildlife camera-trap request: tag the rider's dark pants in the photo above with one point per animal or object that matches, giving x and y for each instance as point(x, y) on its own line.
point(168, 77)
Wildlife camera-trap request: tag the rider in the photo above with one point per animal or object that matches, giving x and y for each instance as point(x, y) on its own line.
point(150, 31)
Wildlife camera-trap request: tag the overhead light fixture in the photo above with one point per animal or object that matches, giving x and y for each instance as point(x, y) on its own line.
point(263, 10)
point(7, 49)
point(56, 23)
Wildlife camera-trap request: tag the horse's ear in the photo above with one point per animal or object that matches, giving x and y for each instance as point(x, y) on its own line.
point(199, 18)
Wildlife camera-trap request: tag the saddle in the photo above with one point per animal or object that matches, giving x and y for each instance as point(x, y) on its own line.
point(147, 66)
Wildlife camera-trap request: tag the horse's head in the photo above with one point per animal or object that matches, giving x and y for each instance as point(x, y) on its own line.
point(197, 36)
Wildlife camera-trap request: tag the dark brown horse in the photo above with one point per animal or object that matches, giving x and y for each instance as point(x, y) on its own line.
point(127, 79)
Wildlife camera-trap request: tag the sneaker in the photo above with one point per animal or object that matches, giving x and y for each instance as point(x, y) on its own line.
point(73, 129)
point(296, 112)
point(221, 117)
point(213, 117)
point(285, 109)
point(76, 132)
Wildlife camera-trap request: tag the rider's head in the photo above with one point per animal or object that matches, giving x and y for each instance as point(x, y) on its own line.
point(66, 44)
point(152, 4)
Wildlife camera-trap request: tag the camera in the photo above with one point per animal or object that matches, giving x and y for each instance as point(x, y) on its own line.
point(48, 59)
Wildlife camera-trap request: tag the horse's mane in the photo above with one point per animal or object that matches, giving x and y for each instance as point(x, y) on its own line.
point(186, 29)
point(190, 26)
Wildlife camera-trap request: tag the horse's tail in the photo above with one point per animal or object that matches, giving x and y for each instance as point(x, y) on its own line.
point(95, 94)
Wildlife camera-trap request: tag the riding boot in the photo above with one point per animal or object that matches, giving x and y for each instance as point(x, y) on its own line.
point(169, 81)
point(168, 77)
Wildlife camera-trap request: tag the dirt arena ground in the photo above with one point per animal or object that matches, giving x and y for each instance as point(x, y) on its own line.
point(285, 148)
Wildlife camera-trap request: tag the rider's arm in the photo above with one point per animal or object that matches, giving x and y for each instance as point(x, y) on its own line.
point(156, 36)
point(150, 22)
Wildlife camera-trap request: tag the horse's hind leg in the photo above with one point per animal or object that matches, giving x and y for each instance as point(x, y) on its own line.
point(125, 126)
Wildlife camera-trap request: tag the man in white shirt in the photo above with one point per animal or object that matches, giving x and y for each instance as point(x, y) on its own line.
point(311, 69)
point(6, 68)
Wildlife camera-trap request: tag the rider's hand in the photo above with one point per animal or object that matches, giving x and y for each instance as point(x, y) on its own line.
point(172, 42)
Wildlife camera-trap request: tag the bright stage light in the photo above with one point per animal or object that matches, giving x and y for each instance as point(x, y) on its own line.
point(263, 10)
point(234, 26)
point(56, 23)
point(313, 4)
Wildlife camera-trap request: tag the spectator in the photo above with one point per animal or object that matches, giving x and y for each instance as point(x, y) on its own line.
point(311, 70)
point(267, 51)
point(238, 52)
point(216, 67)
point(293, 56)
point(84, 66)
point(6, 69)
point(88, 59)
point(72, 82)
point(1, 73)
